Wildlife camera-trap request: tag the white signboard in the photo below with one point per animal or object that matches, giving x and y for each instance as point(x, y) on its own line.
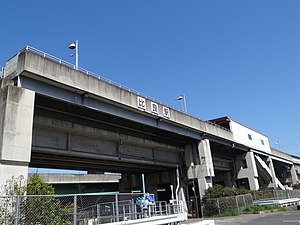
point(154, 108)
point(166, 112)
point(141, 103)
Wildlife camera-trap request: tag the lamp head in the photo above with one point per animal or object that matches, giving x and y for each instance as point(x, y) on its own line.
point(72, 46)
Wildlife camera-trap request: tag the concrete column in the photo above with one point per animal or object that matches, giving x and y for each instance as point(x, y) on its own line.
point(294, 175)
point(130, 182)
point(250, 172)
point(274, 183)
point(202, 168)
point(16, 110)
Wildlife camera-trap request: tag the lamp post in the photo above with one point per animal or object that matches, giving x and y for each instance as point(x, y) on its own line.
point(143, 184)
point(182, 98)
point(74, 45)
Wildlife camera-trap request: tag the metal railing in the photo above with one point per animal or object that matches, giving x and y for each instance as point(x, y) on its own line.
point(2, 72)
point(82, 209)
point(72, 66)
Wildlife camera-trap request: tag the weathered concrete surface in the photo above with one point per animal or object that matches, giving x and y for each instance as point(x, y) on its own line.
point(72, 139)
point(33, 65)
point(282, 155)
point(250, 172)
point(16, 110)
point(79, 178)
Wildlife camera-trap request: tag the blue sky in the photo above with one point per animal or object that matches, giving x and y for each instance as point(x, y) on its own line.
point(230, 58)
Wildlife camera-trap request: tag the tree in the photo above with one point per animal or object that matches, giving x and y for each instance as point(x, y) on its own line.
point(37, 186)
point(37, 209)
point(14, 186)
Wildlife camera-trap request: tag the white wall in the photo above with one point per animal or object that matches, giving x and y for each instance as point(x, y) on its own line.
point(240, 135)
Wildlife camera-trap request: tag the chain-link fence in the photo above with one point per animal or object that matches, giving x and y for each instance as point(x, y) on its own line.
point(86, 209)
point(218, 206)
point(275, 194)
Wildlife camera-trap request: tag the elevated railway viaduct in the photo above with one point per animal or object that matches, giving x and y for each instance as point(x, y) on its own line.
point(55, 115)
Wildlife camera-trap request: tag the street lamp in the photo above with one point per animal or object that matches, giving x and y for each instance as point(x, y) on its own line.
point(182, 98)
point(74, 45)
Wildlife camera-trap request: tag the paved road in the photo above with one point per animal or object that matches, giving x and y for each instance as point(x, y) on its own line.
point(281, 218)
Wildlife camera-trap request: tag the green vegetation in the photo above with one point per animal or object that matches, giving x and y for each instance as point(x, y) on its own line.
point(33, 209)
point(42, 210)
point(296, 186)
point(263, 208)
point(37, 186)
point(15, 186)
point(218, 191)
point(223, 201)
point(229, 213)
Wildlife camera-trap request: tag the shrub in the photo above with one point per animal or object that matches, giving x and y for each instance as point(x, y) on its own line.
point(296, 186)
point(33, 209)
point(218, 191)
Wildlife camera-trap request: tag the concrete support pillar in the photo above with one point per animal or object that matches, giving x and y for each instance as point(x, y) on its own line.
point(274, 183)
point(202, 168)
point(294, 175)
point(16, 110)
point(246, 168)
point(130, 182)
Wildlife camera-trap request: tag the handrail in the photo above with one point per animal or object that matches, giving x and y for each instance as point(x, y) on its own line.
point(2, 72)
point(72, 66)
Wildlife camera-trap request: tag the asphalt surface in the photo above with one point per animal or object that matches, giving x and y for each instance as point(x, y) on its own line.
point(279, 218)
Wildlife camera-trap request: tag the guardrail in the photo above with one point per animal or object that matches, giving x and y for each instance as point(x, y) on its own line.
point(2, 72)
point(72, 66)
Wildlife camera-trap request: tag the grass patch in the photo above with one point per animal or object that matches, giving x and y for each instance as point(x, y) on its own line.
point(230, 213)
point(263, 208)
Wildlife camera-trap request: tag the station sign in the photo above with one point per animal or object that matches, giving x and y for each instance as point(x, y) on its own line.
point(141, 104)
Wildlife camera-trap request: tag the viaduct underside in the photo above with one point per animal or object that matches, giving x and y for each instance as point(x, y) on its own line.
point(72, 137)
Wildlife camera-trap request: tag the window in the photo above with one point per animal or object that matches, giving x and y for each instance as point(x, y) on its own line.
point(249, 137)
point(262, 142)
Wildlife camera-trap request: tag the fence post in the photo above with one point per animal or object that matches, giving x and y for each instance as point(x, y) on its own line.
point(218, 205)
point(237, 204)
point(75, 210)
point(17, 210)
point(98, 210)
point(117, 207)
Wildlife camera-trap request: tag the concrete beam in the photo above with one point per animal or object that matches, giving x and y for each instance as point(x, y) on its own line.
point(79, 178)
point(37, 67)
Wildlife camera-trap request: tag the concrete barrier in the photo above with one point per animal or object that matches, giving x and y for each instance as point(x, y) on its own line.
point(155, 220)
point(203, 222)
point(281, 202)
